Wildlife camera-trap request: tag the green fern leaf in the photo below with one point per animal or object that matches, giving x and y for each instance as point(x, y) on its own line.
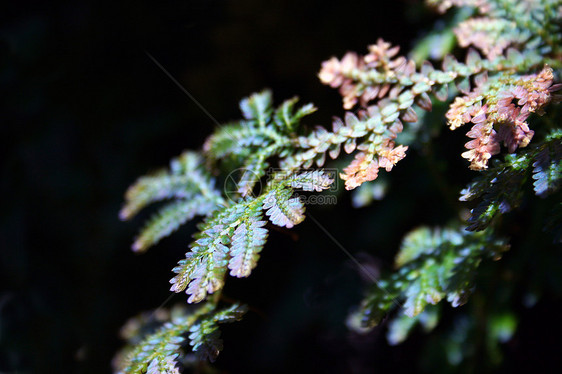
point(378, 302)
point(424, 290)
point(316, 180)
point(257, 107)
point(169, 219)
point(156, 187)
point(185, 180)
point(205, 336)
point(234, 236)
point(163, 366)
point(285, 116)
point(208, 275)
point(423, 241)
point(283, 210)
point(433, 265)
point(547, 169)
point(254, 169)
point(157, 351)
point(205, 339)
point(248, 240)
point(204, 268)
point(500, 188)
point(162, 350)
point(236, 139)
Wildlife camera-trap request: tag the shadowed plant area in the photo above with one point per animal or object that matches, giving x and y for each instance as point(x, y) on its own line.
point(338, 219)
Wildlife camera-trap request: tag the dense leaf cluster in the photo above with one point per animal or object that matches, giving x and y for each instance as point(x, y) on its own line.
point(506, 80)
point(431, 265)
point(500, 188)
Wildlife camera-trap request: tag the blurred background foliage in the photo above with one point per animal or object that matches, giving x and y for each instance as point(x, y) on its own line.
point(85, 111)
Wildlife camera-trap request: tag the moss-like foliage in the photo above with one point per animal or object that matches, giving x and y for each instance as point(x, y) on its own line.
point(432, 265)
point(503, 83)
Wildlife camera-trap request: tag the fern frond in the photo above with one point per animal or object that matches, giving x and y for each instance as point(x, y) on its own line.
point(547, 169)
point(500, 189)
point(163, 350)
point(169, 219)
point(248, 240)
point(233, 237)
point(315, 180)
point(265, 130)
point(432, 265)
point(491, 35)
point(263, 134)
point(167, 365)
point(499, 107)
point(204, 335)
point(393, 84)
point(204, 268)
point(372, 133)
point(507, 75)
point(185, 180)
point(423, 241)
point(286, 119)
point(381, 75)
point(535, 20)
point(208, 273)
point(254, 169)
point(159, 350)
point(283, 210)
point(237, 140)
point(258, 108)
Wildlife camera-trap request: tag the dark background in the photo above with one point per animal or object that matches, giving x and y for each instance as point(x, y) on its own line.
point(85, 112)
